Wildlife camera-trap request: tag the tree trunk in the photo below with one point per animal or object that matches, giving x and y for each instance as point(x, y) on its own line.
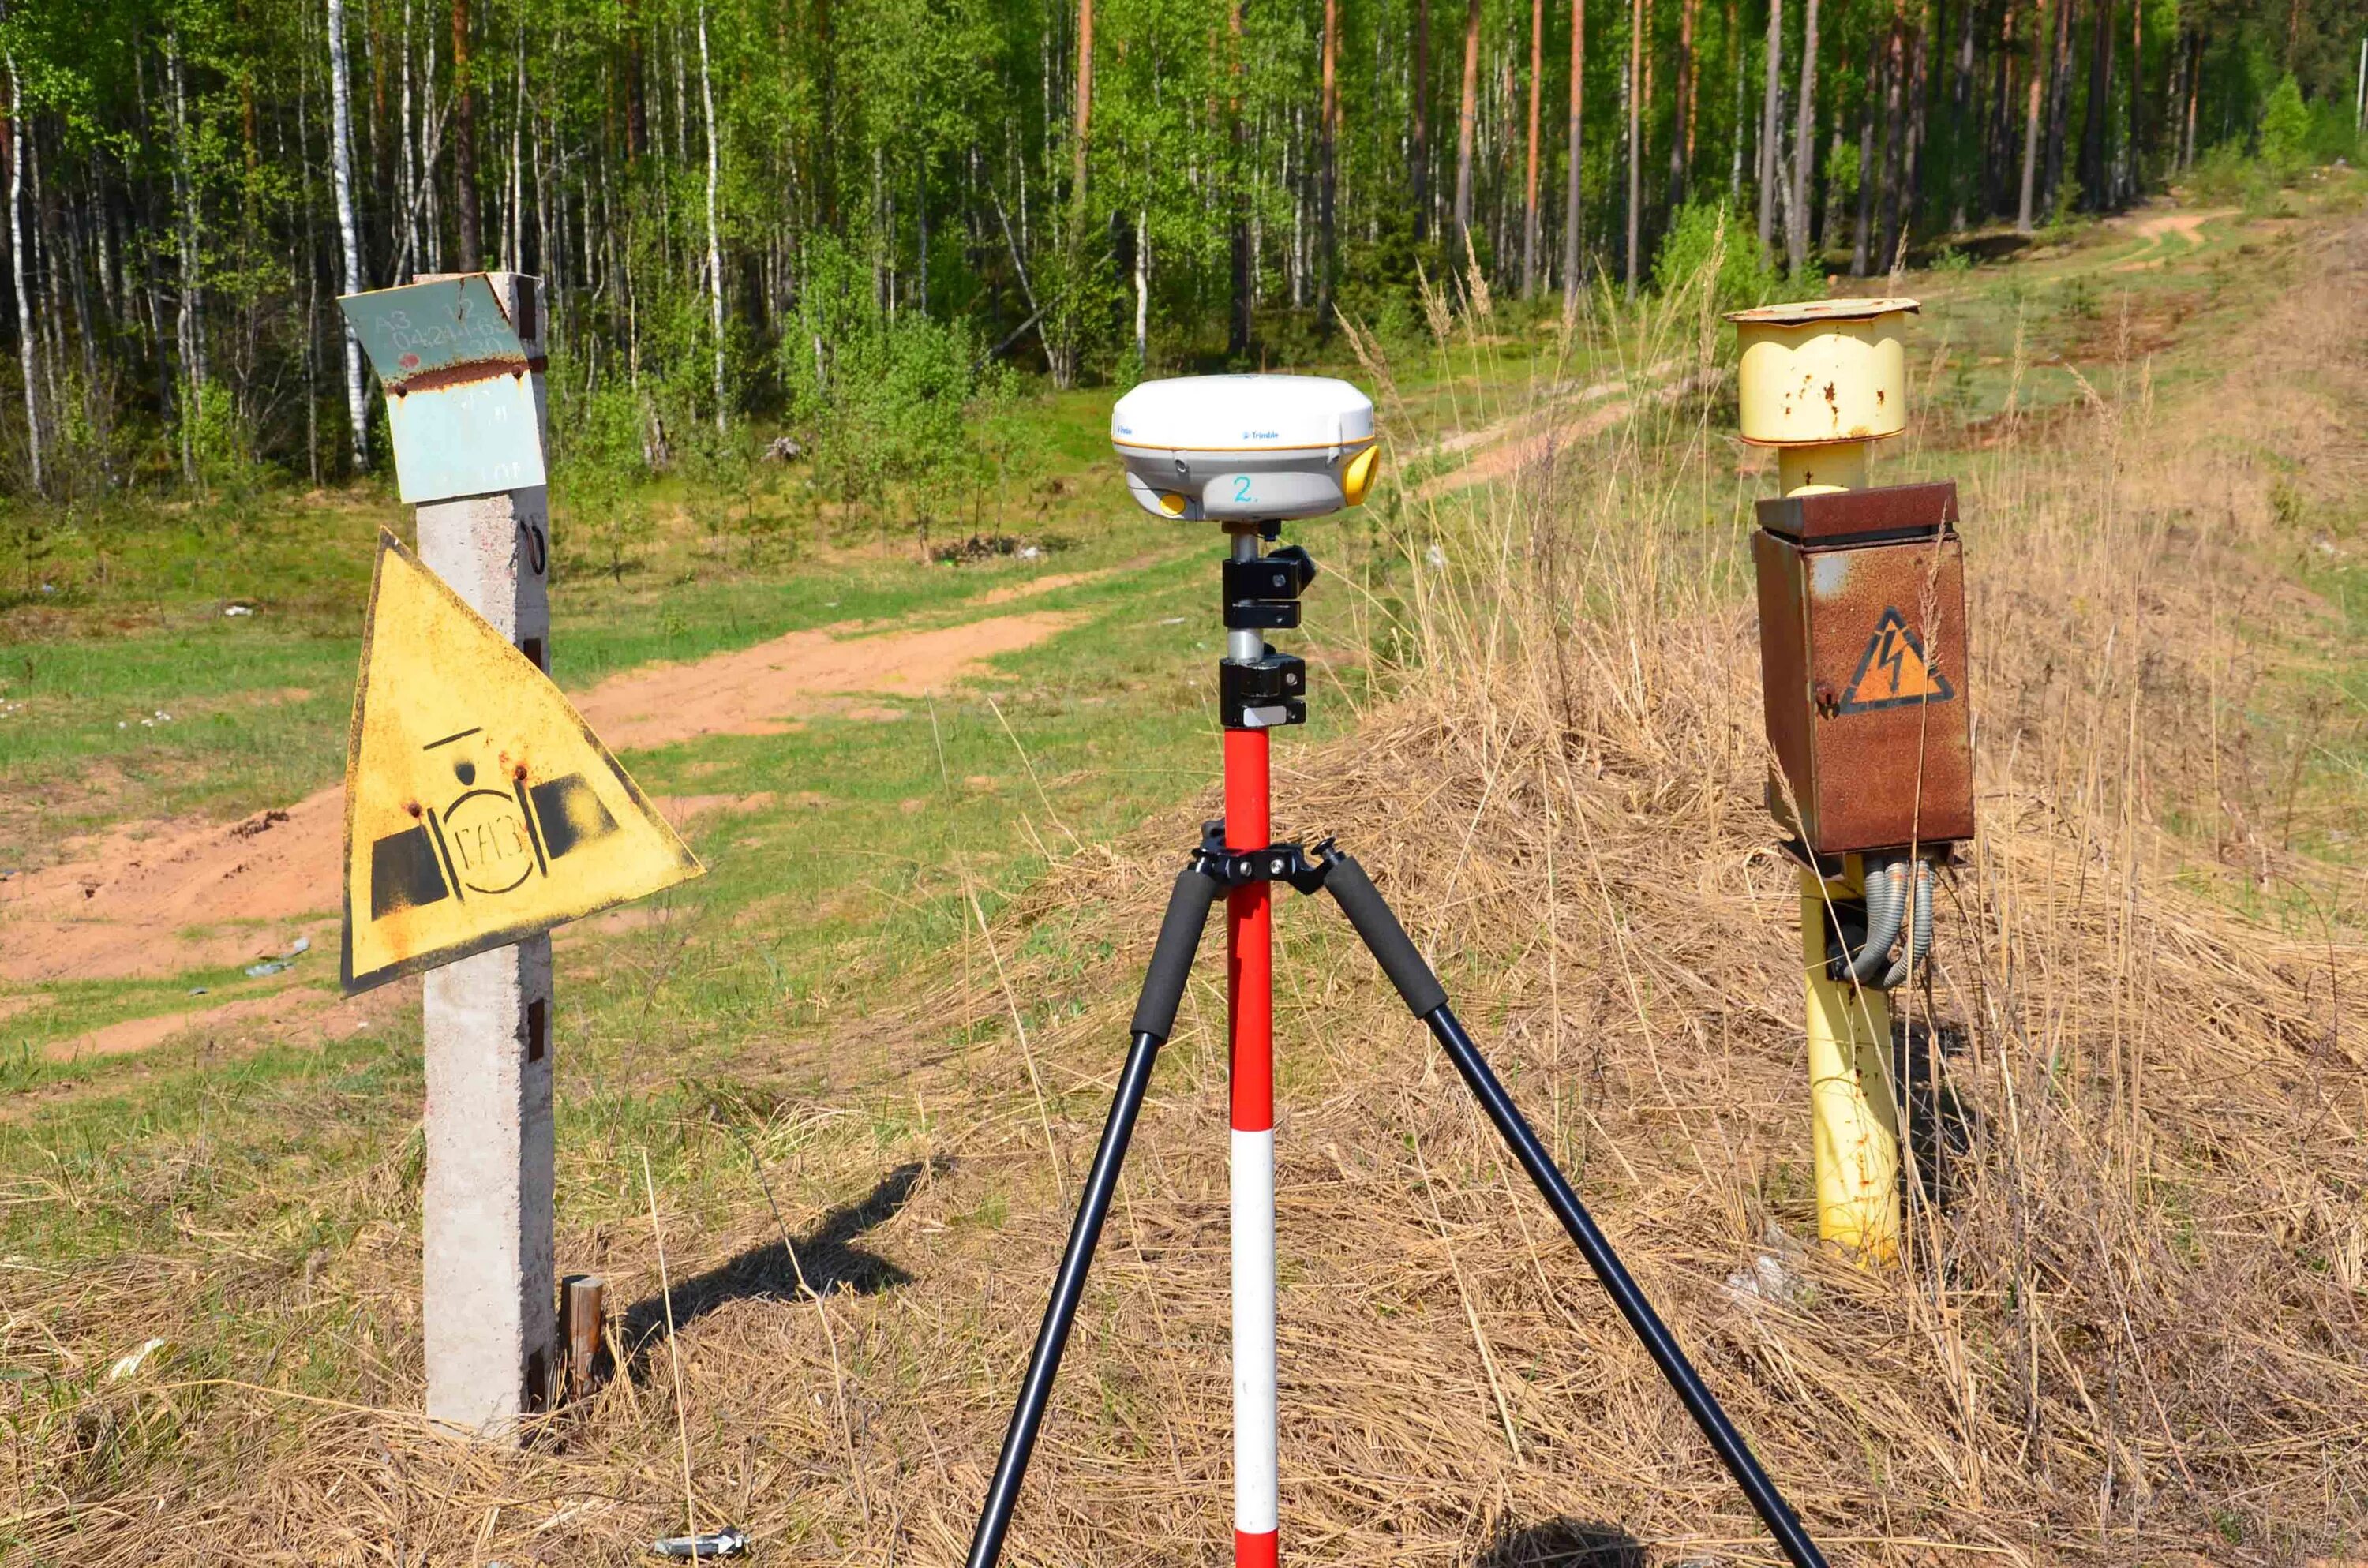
point(2059, 105)
point(1466, 117)
point(1327, 114)
point(1735, 142)
point(1894, 132)
point(26, 351)
point(350, 250)
point(1964, 132)
point(1530, 196)
point(1772, 63)
point(1636, 138)
point(1084, 120)
point(714, 246)
point(2096, 122)
point(1241, 257)
point(2040, 72)
point(1573, 238)
point(192, 323)
point(1919, 102)
point(1142, 290)
point(1804, 149)
point(1681, 128)
point(513, 255)
point(465, 143)
point(1418, 148)
point(2194, 71)
point(2137, 97)
point(637, 124)
point(1863, 240)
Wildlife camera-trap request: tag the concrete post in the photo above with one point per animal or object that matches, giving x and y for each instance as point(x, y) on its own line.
point(489, 1290)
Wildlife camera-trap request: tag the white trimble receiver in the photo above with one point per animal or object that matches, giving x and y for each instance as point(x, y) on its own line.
point(1263, 448)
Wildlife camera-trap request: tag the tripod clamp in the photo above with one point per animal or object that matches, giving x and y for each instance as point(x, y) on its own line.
point(1287, 863)
point(1257, 687)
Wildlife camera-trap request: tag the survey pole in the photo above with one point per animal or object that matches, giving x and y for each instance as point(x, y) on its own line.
point(1249, 1027)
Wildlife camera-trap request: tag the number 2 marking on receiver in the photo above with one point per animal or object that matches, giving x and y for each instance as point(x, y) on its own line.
point(1242, 487)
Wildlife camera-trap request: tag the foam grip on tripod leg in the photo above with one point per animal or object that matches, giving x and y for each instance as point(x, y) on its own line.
point(1396, 952)
point(1171, 956)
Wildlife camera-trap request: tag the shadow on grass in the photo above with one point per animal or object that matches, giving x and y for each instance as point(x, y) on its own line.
point(825, 1260)
point(1561, 1543)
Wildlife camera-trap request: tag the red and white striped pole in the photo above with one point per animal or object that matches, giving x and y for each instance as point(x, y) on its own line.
point(1249, 973)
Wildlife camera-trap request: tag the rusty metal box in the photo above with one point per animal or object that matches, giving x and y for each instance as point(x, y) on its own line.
point(1862, 667)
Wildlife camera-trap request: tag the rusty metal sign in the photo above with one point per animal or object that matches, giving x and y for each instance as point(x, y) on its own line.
point(463, 384)
point(1862, 665)
point(480, 808)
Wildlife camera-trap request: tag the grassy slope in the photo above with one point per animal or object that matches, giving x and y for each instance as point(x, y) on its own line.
point(258, 1208)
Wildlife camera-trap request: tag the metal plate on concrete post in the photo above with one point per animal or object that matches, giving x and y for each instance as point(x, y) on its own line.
point(462, 373)
point(452, 350)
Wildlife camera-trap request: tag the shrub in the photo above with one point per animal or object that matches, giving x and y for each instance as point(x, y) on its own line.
point(1705, 240)
point(884, 397)
point(2285, 129)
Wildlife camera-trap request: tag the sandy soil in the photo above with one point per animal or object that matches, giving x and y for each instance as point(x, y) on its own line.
point(1514, 451)
point(2157, 229)
point(153, 899)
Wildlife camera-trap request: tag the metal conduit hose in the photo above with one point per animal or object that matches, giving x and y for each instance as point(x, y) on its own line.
point(1919, 933)
point(1886, 904)
point(1898, 895)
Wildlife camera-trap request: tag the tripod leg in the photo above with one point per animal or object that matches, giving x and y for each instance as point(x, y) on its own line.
point(1403, 963)
point(1155, 1018)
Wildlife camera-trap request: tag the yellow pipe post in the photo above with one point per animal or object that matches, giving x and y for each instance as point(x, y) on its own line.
point(1854, 1118)
point(1822, 382)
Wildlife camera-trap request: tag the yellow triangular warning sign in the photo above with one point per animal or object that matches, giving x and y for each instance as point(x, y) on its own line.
point(1894, 671)
point(480, 808)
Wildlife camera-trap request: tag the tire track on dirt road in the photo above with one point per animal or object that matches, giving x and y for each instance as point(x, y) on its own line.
point(121, 903)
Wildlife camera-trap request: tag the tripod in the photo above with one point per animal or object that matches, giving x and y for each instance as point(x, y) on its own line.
point(1258, 690)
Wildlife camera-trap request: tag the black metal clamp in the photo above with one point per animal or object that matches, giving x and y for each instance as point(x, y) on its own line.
point(1287, 863)
point(1262, 593)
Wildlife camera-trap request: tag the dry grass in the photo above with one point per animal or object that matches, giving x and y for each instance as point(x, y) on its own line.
point(2131, 1333)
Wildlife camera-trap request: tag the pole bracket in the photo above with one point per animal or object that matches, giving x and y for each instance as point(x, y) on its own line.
point(1287, 863)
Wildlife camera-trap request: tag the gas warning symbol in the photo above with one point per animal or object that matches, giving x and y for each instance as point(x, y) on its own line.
point(1894, 672)
point(480, 808)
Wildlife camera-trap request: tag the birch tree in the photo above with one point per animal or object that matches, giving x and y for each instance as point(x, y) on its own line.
point(26, 338)
point(349, 248)
point(714, 247)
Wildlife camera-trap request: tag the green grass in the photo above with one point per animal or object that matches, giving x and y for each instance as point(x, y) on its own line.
point(853, 881)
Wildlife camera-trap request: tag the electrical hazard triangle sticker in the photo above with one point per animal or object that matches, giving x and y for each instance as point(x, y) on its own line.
point(480, 808)
point(1894, 672)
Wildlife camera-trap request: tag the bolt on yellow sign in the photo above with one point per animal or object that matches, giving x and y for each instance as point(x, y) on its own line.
point(480, 808)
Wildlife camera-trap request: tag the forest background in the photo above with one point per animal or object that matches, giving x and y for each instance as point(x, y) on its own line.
point(858, 219)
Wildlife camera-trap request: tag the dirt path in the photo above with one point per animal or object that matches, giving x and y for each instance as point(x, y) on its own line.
point(1514, 448)
point(124, 902)
point(2157, 228)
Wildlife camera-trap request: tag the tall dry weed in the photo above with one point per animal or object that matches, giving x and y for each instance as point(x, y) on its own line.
point(2128, 1327)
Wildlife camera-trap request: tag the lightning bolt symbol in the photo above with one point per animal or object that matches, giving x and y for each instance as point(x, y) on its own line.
point(1892, 657)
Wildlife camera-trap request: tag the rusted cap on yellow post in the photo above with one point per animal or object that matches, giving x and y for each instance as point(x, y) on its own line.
point(1819, 379)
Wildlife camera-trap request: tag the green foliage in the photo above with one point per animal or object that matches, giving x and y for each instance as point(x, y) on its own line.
point(2285, 129)
point(1705, 242)
point(597, 454)
point(898, 407)
point(2333, 134)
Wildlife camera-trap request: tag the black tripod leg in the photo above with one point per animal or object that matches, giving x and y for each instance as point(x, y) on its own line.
point(1155, 1018)
point(1403, 963)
